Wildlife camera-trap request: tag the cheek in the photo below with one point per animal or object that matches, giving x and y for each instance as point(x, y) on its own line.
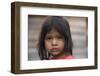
point(61, 44)
point(47, 45)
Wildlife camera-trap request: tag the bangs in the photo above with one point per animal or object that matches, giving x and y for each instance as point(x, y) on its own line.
point(57, 23)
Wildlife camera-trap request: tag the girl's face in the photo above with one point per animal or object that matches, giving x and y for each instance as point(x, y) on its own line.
point(54, 43)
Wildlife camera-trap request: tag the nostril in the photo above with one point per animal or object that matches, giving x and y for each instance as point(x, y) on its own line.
point(54, 44)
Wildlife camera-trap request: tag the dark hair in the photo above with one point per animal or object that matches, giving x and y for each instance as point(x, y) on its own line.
point(62, 26)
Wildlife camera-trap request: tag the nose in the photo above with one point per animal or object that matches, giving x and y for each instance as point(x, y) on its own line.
point(54, 42)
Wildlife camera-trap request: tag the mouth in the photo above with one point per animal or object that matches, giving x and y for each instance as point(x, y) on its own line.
point(54, 49)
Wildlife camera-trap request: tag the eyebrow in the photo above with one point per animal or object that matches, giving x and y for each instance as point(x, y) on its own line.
point(49, 34)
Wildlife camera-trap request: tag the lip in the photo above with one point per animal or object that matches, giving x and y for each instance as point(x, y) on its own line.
point(54, 49)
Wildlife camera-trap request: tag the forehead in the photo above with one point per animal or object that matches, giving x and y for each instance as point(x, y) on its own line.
point(53, 32)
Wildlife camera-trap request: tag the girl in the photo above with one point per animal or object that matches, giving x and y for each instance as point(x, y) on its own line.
point(55, 40)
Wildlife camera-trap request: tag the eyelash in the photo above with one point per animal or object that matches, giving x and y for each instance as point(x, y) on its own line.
point(48, 38)
point(60, 37)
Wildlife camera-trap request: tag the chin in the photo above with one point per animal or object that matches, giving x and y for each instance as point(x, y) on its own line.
point(54, 54)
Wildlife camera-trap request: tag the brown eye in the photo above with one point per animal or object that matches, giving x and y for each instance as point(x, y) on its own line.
point(48, 38)
point(60, 37)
